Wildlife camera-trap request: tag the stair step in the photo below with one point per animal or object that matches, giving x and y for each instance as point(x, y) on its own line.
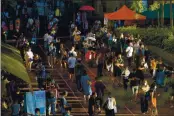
point(34, 69)
point(74, 100)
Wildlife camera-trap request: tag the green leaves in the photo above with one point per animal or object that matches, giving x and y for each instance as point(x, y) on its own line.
point(11, 62)
point(160, 37)
point(155, 6)
point(138, 6)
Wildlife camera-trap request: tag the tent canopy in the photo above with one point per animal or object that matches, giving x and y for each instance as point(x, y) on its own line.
point(124, 13)
point(11, 62)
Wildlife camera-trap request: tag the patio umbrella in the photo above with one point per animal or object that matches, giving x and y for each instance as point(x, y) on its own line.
point(87, 8)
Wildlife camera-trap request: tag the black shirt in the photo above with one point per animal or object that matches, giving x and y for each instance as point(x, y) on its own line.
point(91, 104)
point(139, 74)
point(134, 82)
point(17, 34)
point(99, 86)
point(132, 74)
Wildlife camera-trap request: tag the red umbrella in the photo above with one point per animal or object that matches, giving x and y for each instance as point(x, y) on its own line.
point(87, 8)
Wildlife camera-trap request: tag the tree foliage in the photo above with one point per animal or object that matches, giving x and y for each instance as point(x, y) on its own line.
point(155, 6)
point(138, 6)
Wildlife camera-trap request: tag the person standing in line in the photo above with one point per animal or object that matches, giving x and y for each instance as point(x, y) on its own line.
point(15, 109)
point(42, 75)
point(100, 63)
point(118, 64)
point(99, 87)
point(154, 111)
point(78, 73)
point(29, 59)
point(65, 108)
point(71, 66)
point(86, 85)
point(63, 56)
point(46, 41)
point(145, 97)
point(140, 73)
point(91, 104)
point(21, 45)
point(110, 105)
point(72, 51)
point(134, 84)
point(160, 76)
point(129, 52)
point(147, 55)
point(52, 102)
point(58, 55)
point(153, 67)
point(76, 36)
point(126, 74)
point(51, 54)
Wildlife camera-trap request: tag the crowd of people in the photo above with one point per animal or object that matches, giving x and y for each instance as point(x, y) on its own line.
point(123, 59)
point(126, 60)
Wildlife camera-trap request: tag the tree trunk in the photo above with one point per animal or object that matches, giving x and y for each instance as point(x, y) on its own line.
point(171, 14)
point(158, 19)
point(162, 13)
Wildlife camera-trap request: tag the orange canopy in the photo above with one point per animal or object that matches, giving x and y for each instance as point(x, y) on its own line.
point(124, 13)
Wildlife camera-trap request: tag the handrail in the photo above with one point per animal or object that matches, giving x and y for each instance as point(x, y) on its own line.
point(14, 40)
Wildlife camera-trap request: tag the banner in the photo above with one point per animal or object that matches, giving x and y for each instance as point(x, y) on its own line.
point(34, 100)
point(29, 103)
point(105, 21)
point(40, 101)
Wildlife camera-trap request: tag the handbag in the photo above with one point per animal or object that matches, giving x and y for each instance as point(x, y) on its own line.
point(115, 109)
point(77, 37)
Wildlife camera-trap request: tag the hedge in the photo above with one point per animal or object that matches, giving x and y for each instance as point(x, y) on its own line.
point(160, 37)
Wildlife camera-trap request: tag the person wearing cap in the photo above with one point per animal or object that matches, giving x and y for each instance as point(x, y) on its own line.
point(71, 65)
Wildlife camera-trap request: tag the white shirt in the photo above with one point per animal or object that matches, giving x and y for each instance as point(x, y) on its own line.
point(145, 88)
point(45, 37)
point(111, 103)
point(50, 39)
point(126, 73)
point(30, 54)
point(129, 51)
point(73, 52)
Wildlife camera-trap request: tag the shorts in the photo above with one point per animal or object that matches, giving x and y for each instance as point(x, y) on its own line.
point(71, 70)
point(135, 89)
